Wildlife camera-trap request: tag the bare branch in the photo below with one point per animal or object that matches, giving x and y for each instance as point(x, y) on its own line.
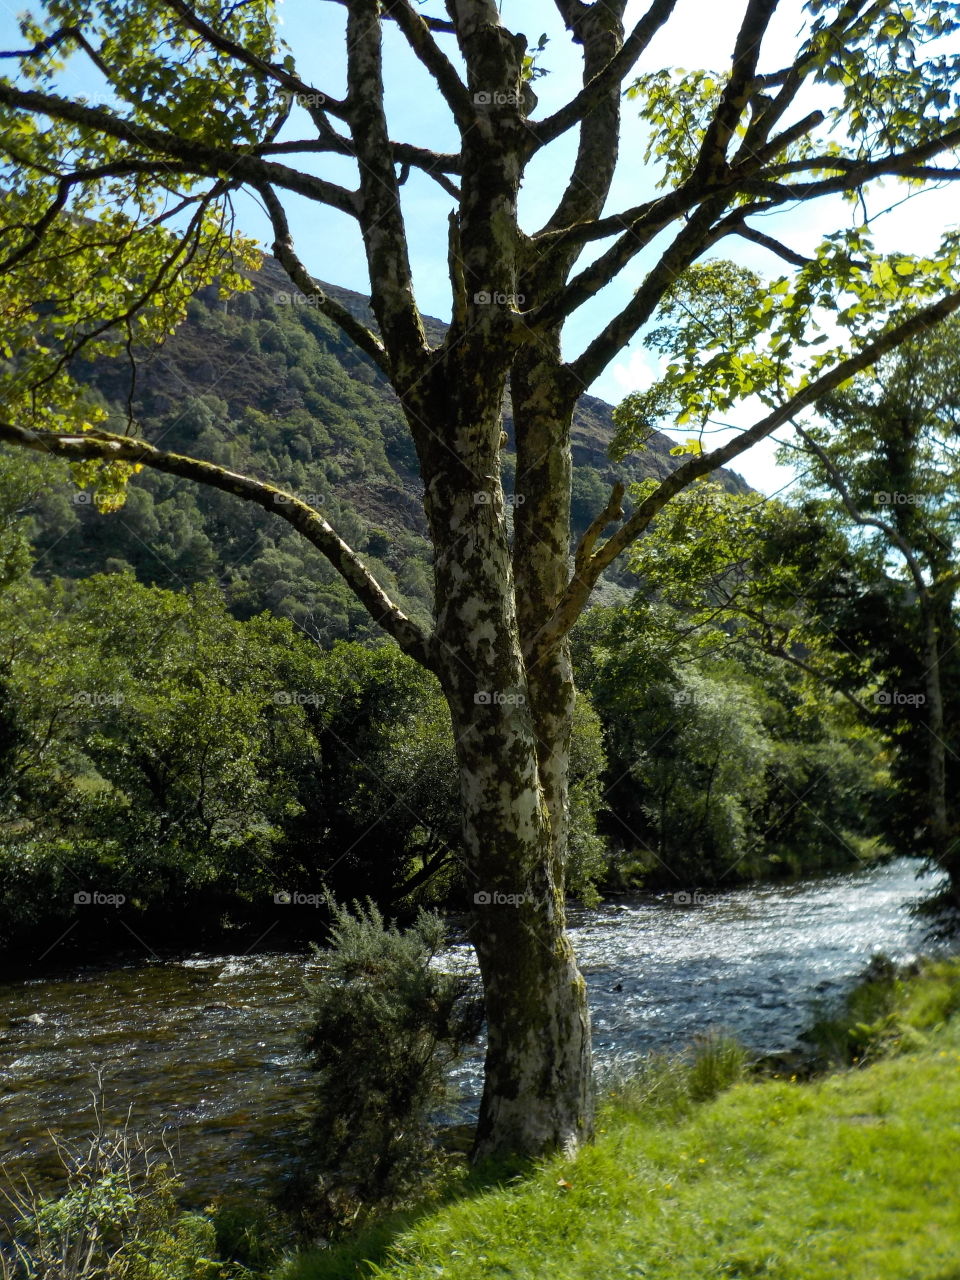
point(713, 153)
point(421, 41)
point(285, 254)
point(611, 512)
point(382, 225)
point(105, 447)
point(440, 25)
point(738, 227)
point(613, 74)
point(600, 31)
point(691, 241)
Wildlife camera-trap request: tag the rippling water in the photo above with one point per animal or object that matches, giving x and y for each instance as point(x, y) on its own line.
point(207, 1047)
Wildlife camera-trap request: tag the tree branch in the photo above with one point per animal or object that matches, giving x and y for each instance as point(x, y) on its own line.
point(285, 254)
point(381, 216)
point(713, 153)
point(738, 227)
point(198, 157)
point(35, 231)
point(103, 446)
point(600, 32)
point(611, 512)
point(421, 41)
point(224, 44)
point(838, 483)
point(692, 240)
point(582, 584)
point(611, 76)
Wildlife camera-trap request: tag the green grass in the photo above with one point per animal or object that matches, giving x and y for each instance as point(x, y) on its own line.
point(853, 1175)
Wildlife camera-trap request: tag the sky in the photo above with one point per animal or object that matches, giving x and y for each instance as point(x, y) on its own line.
point(699, 35)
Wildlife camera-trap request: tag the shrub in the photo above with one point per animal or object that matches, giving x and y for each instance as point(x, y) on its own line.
point(886, 1014)
point(116, 1218)
point(387, 1024)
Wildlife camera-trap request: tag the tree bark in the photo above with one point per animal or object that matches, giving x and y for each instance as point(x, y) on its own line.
point(538, 1080)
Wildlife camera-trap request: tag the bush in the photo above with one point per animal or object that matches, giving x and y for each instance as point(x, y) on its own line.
point(116, 1219)
point(891, 1010)
point(387, 1024)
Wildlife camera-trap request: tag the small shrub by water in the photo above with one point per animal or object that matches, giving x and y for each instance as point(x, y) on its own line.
point(387, 1024)
point(116, 1218)
point(891, 1010)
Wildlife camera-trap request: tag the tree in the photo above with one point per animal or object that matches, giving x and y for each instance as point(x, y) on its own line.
point(113, 213)
point(890, 467)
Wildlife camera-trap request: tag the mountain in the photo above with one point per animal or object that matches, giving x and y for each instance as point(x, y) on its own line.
point(263, 383)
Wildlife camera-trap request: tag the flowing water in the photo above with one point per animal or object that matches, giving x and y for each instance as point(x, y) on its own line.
point(206, 1048)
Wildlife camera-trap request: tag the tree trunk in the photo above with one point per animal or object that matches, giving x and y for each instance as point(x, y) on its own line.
point(538, 1083)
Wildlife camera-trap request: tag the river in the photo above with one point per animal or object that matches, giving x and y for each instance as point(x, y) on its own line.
point(205, 1047)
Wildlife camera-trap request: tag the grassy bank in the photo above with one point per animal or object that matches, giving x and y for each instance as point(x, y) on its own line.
point(855, 1174)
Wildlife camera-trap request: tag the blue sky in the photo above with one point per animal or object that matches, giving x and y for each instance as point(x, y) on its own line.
point(700, 34)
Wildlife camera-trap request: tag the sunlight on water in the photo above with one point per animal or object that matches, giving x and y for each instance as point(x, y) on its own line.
point(207, 1047)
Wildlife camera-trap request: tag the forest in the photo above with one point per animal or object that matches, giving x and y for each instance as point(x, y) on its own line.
point(186, 726)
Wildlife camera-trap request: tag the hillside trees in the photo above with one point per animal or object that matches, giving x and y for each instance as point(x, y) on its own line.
point(113, 214)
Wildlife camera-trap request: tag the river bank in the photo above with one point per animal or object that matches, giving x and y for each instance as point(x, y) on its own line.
point(852, 1174)
point(206, 1048)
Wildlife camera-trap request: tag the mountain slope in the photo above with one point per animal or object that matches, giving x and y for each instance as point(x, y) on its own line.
point(263, 383)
